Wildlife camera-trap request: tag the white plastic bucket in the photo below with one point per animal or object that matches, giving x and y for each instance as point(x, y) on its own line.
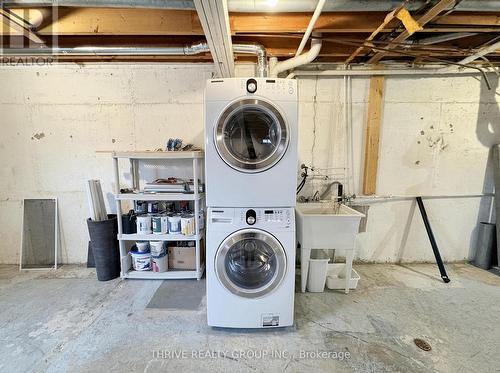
point(141, 261)
point(157, 247)
point(160, 263)
point(316, 277)
point(142, 246)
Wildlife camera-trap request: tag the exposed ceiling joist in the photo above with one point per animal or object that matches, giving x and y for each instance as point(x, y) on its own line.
point(491, 48)
point(422, 21)
point(107, 21)
point(214, 18)
point(382, 26)
point(19, 25)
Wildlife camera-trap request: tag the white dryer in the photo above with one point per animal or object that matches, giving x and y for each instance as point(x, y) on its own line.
point(250, 267)
point(251, 142)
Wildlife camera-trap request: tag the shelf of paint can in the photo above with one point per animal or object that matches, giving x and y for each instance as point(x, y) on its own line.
point(158, 196)
point(147, 154)
point(159, 237)
point(170, 274)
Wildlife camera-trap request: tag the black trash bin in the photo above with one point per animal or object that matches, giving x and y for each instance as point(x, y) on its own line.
point(105, 247)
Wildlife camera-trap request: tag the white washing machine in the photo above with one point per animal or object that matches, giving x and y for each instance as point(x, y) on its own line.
point(250, 267)
point(251, 130)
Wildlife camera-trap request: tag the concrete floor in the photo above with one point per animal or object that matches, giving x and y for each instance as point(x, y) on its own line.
point(68, 321)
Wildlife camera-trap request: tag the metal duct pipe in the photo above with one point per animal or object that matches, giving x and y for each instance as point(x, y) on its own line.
point(152, 4)
point(262, 5)
point(259, 51)
point(187, 50)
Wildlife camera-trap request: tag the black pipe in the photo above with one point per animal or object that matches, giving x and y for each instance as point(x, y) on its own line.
point(434, 245)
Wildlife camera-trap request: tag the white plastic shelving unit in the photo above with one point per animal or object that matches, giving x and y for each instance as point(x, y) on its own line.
point(135, 157)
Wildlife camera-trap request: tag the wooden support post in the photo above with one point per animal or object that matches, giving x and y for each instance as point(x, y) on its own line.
point(374, 118)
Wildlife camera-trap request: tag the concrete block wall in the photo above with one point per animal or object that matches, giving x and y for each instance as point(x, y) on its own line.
point(436, 133)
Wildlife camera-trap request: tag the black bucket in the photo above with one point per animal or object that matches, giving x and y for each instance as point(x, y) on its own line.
point(129, 223)
point(105, 247)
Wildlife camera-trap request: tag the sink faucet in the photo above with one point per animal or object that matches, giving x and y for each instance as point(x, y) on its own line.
point(340, 192)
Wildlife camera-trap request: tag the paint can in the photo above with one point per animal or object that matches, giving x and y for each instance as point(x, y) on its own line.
point(160, 263)
point(140, 207)
point(153, 207)
point(156, 223)
point(142, 246)
point(174, 224)
point(187, 225)
point(164, 224)
point(157, 248)
point(144, 224)
point(141, 261)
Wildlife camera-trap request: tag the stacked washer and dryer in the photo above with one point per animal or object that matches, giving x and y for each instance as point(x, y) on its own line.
point(251, 165)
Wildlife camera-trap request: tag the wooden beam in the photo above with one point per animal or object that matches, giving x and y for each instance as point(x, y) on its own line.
point(129, 21)
point(388, 18)
point(372, 134)
point(422, 21)
point(123, 21)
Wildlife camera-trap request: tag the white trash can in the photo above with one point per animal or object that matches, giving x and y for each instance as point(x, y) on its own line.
point(316, 278)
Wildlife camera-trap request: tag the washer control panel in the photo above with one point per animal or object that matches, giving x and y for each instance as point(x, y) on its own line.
point(281, 217)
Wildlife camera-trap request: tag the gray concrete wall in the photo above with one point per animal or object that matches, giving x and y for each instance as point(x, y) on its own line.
point(436, 133)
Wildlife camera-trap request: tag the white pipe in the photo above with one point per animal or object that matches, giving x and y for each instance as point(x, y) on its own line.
point(312, 22)
point(303, 59)
point(482, 52)
point(441, 71)
point(360, 200)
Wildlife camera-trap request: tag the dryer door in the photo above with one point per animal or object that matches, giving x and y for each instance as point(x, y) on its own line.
point(250, 263)
point(251, 135)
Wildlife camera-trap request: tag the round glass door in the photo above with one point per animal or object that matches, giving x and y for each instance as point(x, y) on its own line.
point(251, 135)
point(250, 263)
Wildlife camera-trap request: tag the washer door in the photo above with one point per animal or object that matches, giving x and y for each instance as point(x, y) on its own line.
point(250, 263)
point(251, 135)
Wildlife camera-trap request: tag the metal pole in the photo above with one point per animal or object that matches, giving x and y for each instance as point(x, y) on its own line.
point(197, 216)
point(434, 245)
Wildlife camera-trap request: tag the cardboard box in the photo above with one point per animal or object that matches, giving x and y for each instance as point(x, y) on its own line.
point(182, 256)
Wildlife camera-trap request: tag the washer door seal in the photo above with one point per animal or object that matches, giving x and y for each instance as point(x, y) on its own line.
point(250, 263)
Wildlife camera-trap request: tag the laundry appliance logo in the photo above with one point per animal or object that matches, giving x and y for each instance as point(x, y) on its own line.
point(25, 30)
point(250, 354)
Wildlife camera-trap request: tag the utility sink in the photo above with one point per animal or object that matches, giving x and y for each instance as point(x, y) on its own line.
point(327, 225)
